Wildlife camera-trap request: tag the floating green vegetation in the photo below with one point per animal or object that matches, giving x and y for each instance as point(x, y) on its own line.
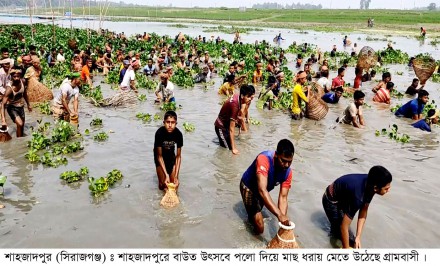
point(188, 127)
point(96, 122)
point(101, 136)
point(146, 117)
point(253, 121)
point(393, 134)
point(101, 185)
point(44, 108)
point(72, 176)
point(180, 26)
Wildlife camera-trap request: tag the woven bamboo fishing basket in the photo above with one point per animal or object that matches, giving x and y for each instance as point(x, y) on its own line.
point(424, 69)
point(37, 92)
point(72, 44)
point(170, 198)
point(74, 120)
point(367, 58)
point(317, 89)
point(285, 237)
point(122, 99)
point(317, 109)
point(4, 134)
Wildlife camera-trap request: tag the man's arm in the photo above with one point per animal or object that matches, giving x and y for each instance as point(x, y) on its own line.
point(232, 137)
point(360, 225)
point(361, 120)
point(162, 164)
point(65, 103)
point(268, 202)
point(345, 226)
point(282, 199)
point(4, 101)
point(75, 103)
point(176, 170)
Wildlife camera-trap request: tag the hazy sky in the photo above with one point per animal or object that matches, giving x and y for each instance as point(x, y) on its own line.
point(394, 4)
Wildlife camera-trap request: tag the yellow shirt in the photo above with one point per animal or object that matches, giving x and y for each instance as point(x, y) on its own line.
point(226, 89)
point(297, 95)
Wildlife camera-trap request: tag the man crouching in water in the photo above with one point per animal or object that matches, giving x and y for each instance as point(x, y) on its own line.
point(268, 170)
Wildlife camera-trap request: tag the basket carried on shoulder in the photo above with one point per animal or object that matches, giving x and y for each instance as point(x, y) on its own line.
point(424, 68)
point(367, 58)
point(285, 237)
point(317, 109)
point(170, 198)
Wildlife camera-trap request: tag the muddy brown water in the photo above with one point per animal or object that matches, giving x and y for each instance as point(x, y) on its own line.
point(44, 212)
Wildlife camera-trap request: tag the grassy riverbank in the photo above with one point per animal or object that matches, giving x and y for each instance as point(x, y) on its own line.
point(400, 21)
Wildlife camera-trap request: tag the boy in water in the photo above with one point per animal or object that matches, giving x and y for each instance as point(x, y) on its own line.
point(353, 113)
point(167, 161)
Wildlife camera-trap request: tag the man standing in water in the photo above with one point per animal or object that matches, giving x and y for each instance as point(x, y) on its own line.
point(268, 170)
point(15, 96)
point(298, 96)
point(167, 161)
point(349, 194)
point(229, 117)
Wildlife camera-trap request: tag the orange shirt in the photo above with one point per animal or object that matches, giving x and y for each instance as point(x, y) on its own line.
point(85, 73)
point(382, 96)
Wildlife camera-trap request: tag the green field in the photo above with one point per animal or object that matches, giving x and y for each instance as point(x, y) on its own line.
point(324, 19)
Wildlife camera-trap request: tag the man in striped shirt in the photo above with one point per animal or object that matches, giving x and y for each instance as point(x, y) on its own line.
point(383, 95)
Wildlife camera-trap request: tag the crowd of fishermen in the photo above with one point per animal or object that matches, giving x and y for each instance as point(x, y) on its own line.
point(20, 85)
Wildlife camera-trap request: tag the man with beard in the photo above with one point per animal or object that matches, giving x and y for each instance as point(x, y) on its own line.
point(268, 170)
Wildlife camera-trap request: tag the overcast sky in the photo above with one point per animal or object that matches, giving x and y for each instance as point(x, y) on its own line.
point(393, 4)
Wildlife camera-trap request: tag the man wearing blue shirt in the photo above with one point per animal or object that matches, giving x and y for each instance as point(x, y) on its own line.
point(425, 124)
point(333, 97)
point(414, 108)
point(352, 193)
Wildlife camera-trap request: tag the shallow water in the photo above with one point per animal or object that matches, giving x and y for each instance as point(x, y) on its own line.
point(42, 211)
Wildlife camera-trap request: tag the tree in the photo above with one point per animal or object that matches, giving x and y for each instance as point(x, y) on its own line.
point(432, 6)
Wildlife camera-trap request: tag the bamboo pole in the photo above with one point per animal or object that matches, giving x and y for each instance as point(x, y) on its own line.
point(30, 16)
point(53, 21)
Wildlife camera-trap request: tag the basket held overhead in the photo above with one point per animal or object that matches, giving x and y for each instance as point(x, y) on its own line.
point(285, 237)
point(367, 58)
point(424, 67)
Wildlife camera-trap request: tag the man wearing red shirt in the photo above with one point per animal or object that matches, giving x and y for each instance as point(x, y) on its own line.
point(339, 80)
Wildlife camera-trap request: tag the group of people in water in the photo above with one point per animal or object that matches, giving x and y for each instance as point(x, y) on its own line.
point(342, 199)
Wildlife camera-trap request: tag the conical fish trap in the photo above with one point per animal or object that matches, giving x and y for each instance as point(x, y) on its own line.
point(37, 92)
point(367, 58)
point(317, 109)
point(285, 237)
point(124, 98)
point(170, 198)
point(4, 135)
point(424, 67)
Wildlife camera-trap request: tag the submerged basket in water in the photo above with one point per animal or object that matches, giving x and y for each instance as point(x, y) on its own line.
point(317, 109)
point(4, 135)
point(424, 68)
point(170, 198)
point(285, 237)
point(367, 58)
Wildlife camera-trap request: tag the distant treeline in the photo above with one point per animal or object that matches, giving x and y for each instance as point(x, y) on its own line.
point(287, 6)
point(55, 3)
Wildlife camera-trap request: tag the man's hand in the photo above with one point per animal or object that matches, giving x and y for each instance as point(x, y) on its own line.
point(284, 219)
point(29, 108)
point(357, 242)
point(167, 179)
point(235, 151)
